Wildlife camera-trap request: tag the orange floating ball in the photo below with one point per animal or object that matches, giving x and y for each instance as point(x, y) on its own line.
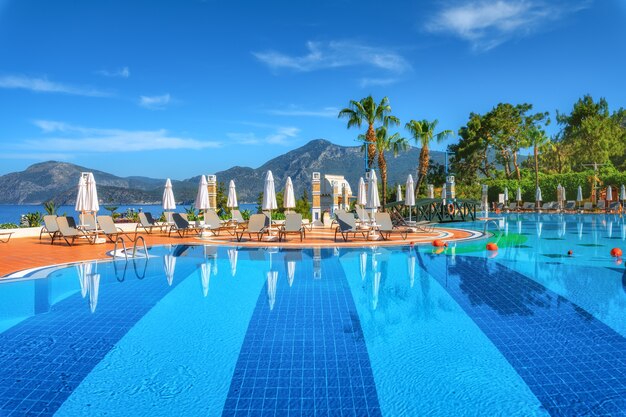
point(438, 243)
point(616, 252)
point(492, 246)
point(570, 253)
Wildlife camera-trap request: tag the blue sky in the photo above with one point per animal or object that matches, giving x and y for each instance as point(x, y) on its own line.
point(177, 89)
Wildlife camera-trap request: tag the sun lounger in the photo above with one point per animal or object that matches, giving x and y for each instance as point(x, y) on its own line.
point(570, 206)
point(512, 207)
point(293, 225)
point(89, 222)
point(147, 222)
point(213, 223)
point(362, 215)
point(614, 207)
point(68, 232)
point(385, 227)
point(588, 207)
point(112, 232)
point(346, 224)
point(424, 226)
point(181, 226)
point(257, 224)
point(601, 205)
point(528, 206)
point(238, 219)
point(50, 226)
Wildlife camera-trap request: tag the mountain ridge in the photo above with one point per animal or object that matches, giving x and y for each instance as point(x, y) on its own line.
point(57, 181)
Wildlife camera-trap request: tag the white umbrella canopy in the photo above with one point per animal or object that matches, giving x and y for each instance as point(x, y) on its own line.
point(91, 198)
point(231, 202)
point(82, 194)
point(169, 266)
point(622, 193)
point(518, 196)
point(362, 197)
point(409, 194)
point(289, 200)
point(169, 203)
point(233, 254)
point(609, 193)
point(409, 191)
point(563, 194)
point(444, 194)
point(202, 197)
point(579, 195)
point(430, 193)
point(538, 194)
point(269, 193)
point(373, 199)
point(399, 193)
point(506, 194)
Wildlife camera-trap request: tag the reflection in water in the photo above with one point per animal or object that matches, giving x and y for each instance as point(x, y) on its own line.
point(519, 227)
point(291, 258)
point(94, 286)
point(375, 289)
point(232, 258)
point(539, 228)
point(609, 229)
point(205, 276)
point(363, 264)
point(411, 267)
point(84, 270)
point(291, 271)
point(623, 231)
point(169, 265)
point(272, 279)
point(580, 230)
point(317, 263)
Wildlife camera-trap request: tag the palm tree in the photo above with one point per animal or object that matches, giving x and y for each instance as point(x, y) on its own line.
point(384, 142)
point(539, 140)
point(423, 133)
point(367, 111)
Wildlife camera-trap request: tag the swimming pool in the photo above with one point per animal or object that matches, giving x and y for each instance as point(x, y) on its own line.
point(201, 330)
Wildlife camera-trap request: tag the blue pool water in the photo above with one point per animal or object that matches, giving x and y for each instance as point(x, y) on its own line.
point(195, 330)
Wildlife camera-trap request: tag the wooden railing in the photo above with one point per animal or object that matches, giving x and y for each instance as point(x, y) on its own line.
point(433, 210)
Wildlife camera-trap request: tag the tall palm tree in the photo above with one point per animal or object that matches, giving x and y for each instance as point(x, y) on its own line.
point(384, 142)
point(423, 133)
point(367, 111)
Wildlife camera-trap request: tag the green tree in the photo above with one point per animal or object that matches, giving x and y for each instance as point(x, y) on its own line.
point(303, 205)
point(367, 111)
point(592, 133)
point(423, 132)
point(50, 207)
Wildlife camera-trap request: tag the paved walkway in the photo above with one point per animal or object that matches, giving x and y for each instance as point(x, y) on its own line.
point(29, 252)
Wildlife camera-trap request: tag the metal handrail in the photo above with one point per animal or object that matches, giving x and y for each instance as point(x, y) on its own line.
point(145, 249)
point(123, 246)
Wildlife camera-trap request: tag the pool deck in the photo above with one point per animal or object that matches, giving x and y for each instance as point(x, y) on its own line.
point(30, 252)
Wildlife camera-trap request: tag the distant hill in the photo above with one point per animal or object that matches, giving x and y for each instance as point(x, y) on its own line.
point(58, 180)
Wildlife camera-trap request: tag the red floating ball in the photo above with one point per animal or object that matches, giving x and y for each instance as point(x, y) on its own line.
point(439, 243)
point(616, 252)
point(492, 246)
point(570, 253)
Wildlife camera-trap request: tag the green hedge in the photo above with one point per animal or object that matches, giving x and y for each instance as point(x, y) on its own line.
point(549, 183)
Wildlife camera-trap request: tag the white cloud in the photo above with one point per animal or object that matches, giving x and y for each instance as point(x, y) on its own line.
point(86, 140)
point(43, 85)
point(488, 23)
point(336, 54)
point(280, 135)
point(121, 73)
point(366, 82)
point(296, 111)
point(155, 102)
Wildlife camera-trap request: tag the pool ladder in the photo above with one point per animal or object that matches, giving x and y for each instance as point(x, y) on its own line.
point(120, 239)
point(133, 257)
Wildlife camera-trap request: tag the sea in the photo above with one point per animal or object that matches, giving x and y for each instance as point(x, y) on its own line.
point(11, 213)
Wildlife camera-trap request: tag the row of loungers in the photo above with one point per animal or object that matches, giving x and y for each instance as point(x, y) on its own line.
point(63, 227)
point(569, 206)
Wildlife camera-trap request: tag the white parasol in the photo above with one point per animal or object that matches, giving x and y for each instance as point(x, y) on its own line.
point(373, 199)
point(169, 203)
point(399, 193)
point(202, 197)
point(269, 196)
point(362, 197)
point(231, 202)
point(289, 200)
point(409, 194)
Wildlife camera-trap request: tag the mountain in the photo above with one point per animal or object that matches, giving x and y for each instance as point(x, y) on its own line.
point(58, 180)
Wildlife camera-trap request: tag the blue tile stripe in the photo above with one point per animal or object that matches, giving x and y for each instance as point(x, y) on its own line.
point(45, 357)
point(306, 354)
point(573, 363)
